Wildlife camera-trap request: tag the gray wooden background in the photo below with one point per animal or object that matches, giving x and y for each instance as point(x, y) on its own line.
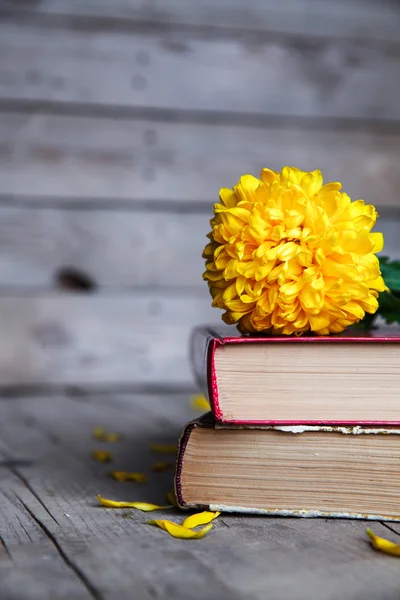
point(119, 122)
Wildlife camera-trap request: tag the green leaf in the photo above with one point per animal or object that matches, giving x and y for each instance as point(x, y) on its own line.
point(391, 273)
point(389, 302)
point(389, 307)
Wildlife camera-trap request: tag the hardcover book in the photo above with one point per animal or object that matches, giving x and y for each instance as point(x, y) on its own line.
point(343, 379)
point(309, 471)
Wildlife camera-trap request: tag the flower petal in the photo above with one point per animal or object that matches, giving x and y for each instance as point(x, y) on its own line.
point(308, 240)
point(98, 433)
point(102, 456)
point(200, 519)
point(143, 506)
point(129, 476)
point(101, 435)
point(178, 531)
point(377, 240)
point(382, 544)
point(163, 448)
point(162, 466)
point(200, 402)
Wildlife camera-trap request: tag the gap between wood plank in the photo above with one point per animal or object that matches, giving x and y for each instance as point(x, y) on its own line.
point(198, 116)
point(83, 392)
point(154, 205)
point(154, 25)
point(70, 563)
point(4, 546)
point(76, 203)
point(32, 291)
point(390, 526)
point(26, 483)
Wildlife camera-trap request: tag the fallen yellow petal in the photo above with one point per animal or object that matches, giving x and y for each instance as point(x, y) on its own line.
point(172, 498)
point(161, 466)
point(200, 402)
point(163, 448)
point(112, 437)
point(144, 506)
point(200, 519)
point(101, 435)
point(383, 545)
point(129, 476)
point(98, 433)
point(102, 456)
point(178, 531)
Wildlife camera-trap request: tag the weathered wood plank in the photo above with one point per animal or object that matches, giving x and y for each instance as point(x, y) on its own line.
point(263, 76)
point(32, 567)
point(353, 18)
point(127, 249)
point(139, 339)
point(241, 558)
point(391, 230)
point(54, 449)
point(115, 249)
point(77, 158)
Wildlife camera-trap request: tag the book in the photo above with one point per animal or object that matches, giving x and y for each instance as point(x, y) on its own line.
point(340, 379)
point(309, 471)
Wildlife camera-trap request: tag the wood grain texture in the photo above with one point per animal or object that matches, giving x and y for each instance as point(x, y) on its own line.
point(114, 553)
point(132, 339)
point(344, 19)
point(262, 76)
point(31, 564)
point(67, 159)
point(117, 250)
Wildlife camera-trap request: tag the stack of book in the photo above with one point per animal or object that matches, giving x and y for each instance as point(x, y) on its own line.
point(306, 426)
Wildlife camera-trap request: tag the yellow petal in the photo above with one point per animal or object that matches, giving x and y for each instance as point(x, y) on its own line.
point(269, 176)
point(304, 256)
point(227, 197)
point(178, 531)
point(129, 476)
point(320, 321)
point(98, 433)
point(383, 545)
point(101, 435)
point(161, 466)
point(200, 519)
point(287, 251)
point(229, 293)
point(246, 188)
point(378, 284)
point(143, 506)
point(312, 182)
point(102, 456)
point(163, 448)
point(200, 402)
point(112, 437)
point(377, 240)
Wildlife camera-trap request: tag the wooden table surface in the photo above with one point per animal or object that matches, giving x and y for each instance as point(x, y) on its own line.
point(56, 542)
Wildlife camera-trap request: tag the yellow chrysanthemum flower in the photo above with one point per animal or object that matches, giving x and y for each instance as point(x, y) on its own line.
point(289, 254)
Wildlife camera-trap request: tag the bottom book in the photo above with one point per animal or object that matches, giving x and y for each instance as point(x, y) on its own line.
point(307, 471)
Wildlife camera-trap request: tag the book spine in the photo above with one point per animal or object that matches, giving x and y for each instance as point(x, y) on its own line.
point(198, 350)
point(179, 463)
point(203, 343)
point(212, 381)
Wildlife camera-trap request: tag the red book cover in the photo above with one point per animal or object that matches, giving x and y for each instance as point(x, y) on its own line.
point(206, 340)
